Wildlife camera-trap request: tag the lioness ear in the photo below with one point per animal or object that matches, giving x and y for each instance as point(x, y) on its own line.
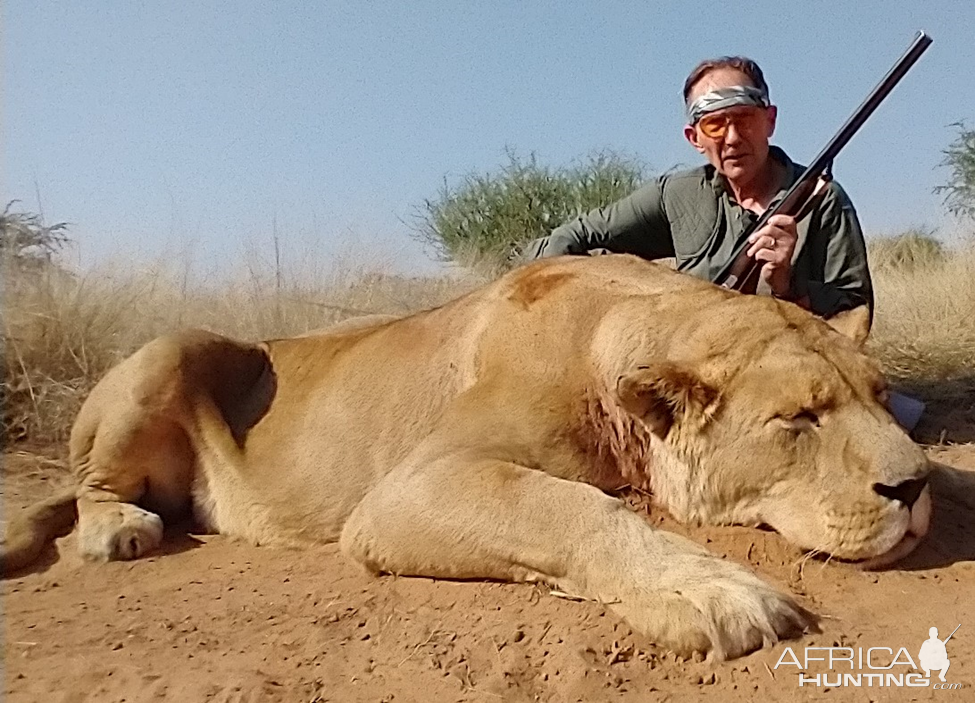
point(664, 393)
point(854, 323)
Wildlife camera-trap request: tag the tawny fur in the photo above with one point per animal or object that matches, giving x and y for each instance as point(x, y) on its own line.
point(472, 441)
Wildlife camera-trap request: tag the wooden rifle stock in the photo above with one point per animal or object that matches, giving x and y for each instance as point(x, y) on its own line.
point(810, 186)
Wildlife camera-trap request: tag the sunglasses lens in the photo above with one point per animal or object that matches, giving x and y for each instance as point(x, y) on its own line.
point(715, 126)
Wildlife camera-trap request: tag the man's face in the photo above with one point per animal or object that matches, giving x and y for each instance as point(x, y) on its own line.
point(740, 150)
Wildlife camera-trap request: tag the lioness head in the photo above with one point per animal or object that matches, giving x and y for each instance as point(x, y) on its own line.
point(764, 414)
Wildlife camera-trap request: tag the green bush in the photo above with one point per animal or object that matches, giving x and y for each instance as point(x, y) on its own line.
point(26, 241)
point(485, 217)
point(959, 158)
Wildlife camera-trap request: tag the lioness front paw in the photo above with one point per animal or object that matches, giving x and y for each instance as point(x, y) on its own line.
point(117, 531)
point(744, 614)
point(709, 605)
point(729, 611)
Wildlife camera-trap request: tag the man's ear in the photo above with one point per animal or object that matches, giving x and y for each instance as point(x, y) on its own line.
point(666, 393)
point(771, 112)
point(690, 134)
point(853, 323)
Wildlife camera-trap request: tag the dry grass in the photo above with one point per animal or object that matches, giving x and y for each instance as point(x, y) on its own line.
point(925, 319)
point(62, 333)
point(924, 334)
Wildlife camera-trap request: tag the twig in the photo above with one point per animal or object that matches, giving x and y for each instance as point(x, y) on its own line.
point(548, 627)
point(471, 689)
point(580, 599)
point(422, 644)
point(30, 386)
point(566, 596)
point(635, 489)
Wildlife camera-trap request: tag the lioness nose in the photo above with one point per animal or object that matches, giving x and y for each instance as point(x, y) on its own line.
point(907, 492)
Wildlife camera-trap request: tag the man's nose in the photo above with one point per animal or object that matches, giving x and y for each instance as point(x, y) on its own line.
point(731, 134)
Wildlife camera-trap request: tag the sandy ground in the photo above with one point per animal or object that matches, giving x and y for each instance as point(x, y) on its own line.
point(214, 620)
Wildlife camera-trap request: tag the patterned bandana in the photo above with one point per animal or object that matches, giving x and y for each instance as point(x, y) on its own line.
point(725, 97)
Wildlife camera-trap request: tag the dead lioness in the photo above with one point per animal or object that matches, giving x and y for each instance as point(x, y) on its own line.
point(477, 440)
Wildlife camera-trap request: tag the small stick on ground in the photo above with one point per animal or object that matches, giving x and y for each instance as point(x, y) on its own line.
point(433, 634)
point(581, 599)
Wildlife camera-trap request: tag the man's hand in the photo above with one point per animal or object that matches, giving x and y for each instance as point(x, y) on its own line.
point(774, 244)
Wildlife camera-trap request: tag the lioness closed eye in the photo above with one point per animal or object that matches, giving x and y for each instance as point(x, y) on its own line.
point(477, 440)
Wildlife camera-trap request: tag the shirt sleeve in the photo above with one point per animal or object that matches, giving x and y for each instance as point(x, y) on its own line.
point(839, 277)
point(637, 224)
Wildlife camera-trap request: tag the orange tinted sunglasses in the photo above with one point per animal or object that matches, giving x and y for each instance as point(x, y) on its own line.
point(745, 119)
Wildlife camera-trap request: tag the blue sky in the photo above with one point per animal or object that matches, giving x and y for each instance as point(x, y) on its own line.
point(159, 125)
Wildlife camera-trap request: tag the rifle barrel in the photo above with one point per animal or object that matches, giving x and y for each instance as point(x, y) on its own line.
point(951, 635)
point(921, 42)
point(825, 158)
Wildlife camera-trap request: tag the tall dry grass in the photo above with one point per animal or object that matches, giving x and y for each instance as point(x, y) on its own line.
point(61, 333)
point(924, 328)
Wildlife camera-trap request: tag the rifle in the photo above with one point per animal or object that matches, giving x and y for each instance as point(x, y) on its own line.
point(951, 635)
point(805, 192)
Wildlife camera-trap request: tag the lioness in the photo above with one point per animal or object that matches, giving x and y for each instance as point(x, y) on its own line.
point(476, 440)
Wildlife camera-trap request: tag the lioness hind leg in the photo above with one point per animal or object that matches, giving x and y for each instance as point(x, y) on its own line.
point(138, 445)
point(128, 487)
point(132, 457)
point(129, 481)
point(112, 530)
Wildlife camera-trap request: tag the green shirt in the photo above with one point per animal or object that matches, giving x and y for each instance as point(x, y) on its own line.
point(692, 216)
